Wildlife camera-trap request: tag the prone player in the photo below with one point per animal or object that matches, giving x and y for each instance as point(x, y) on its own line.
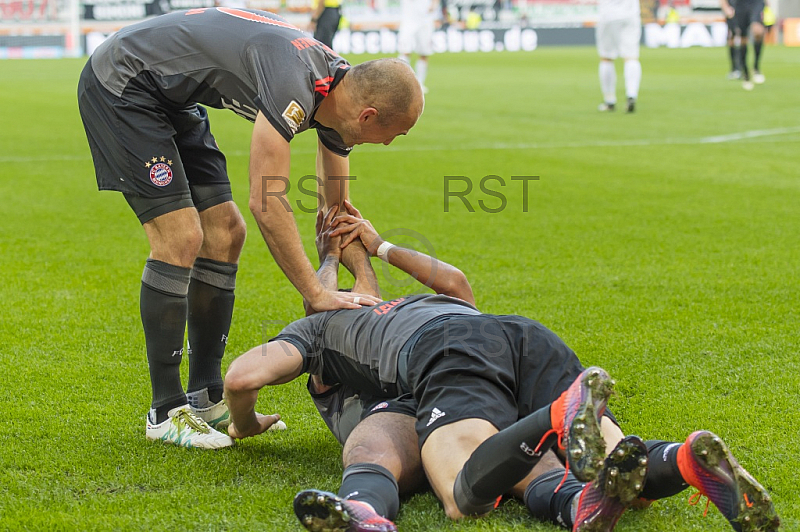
point(474, 462)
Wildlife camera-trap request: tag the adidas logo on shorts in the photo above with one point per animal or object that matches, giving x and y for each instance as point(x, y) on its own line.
point(435, 414)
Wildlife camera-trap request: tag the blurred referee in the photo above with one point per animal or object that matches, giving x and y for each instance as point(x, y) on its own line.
point(748, 18)
point(325, 20)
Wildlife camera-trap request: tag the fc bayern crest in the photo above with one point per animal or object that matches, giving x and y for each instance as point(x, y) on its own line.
point(161, 174)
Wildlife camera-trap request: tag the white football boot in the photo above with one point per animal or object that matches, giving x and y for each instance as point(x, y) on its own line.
point(216, 415)
point(185, 429)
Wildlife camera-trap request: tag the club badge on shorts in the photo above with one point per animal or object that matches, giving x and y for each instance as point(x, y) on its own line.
point(160, 171)
point(380, 406)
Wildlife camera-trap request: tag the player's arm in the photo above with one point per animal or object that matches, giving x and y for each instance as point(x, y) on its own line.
point(334, 174)
point(328, 272)
point(266, 365)
point(438, 275)
point(269, 171)
point(329, 254)
point(328, 250)
point(727, 9)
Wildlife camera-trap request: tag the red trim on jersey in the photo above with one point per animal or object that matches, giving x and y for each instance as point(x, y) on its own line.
point(386, 307)
point(246, 15)
point(302, 43)
point(196, 11)
point(323, 86)
point(305, 42)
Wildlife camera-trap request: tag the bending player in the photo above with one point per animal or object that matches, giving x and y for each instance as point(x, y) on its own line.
point(438, 337)
point(141, 98)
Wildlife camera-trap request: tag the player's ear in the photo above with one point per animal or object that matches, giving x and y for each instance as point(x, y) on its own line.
point(368, 114)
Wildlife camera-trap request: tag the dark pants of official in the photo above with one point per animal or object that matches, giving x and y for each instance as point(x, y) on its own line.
point(327, 25)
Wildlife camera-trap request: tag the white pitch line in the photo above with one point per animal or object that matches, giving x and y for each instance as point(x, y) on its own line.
point(750, 135)
point(716, 139)
point(733, 137)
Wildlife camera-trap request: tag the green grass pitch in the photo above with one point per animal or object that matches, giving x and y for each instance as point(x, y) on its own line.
point(661, 245)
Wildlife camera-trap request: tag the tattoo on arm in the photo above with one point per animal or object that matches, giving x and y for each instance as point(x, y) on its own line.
point(328, 273)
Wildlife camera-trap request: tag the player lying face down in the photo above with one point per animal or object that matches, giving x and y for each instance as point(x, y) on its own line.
point(472, 450)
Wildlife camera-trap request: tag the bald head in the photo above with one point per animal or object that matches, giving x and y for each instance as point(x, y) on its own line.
point(390, 86)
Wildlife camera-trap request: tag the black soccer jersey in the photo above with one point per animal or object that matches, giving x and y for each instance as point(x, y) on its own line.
point(243, 60)
point(361, 347)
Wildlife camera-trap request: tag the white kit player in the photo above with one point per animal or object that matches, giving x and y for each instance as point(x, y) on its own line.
point(618, 32)
point(416, 34)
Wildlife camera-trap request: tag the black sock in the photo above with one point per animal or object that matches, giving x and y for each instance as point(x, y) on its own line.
point(546, 504)
point(502, 461)
point(163, 305)
point(734, 51)
point(374, 485)
point(663, 478)
point(757, 49)
point(210, 309)
point(743, 60)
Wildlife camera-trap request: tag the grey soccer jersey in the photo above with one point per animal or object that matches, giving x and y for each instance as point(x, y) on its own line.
point(364, 345)
point(243, 60)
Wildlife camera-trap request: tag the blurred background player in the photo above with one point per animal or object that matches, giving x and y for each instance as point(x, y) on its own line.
point(618, 32)
point(768, 20)
point(673, 17)
point(325, 20)
point(416, 34)
point(734, 39)
point(748, 16)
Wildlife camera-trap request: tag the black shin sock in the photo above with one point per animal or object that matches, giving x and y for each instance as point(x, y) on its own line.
point(757, 49)
point(743, 61)
point(734, 51)
point(663, 478)
point(546, 504)
point(374, 485)
point(210, 309)
point(163, 307)
point(502, 461)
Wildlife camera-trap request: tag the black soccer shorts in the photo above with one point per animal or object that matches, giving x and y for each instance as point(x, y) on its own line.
point(732, 27)
point(342, 408)
point(496, 368)
point(163, 157)
point(745, 13)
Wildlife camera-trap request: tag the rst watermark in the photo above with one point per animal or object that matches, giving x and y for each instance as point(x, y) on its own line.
point(455, 187)
point(278, 187)
point(459, 186)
